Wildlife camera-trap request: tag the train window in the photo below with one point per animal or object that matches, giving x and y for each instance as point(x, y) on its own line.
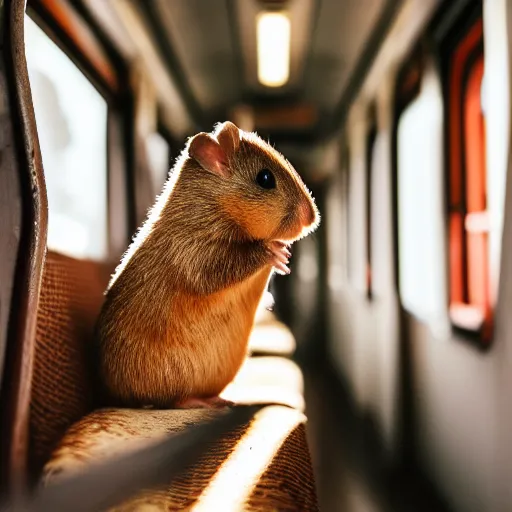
point(496, 106)
point(71, 119)
point(468, 216)
point(158, 151)
point(420, 205)
point(335, 206)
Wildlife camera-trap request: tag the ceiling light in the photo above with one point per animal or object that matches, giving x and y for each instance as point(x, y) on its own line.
point(273, 38)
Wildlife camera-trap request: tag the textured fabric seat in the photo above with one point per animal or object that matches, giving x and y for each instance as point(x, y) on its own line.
point(69, 431)
point(62, 393)
point(262, 466)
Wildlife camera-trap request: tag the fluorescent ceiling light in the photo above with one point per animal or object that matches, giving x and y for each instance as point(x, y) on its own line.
point(273, 38)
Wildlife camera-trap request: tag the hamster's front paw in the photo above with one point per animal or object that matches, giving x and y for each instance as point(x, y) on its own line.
point(279, 256)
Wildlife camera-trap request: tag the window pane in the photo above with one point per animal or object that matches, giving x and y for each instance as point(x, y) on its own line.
point(71, 119)
point(158, 152)
point(497, 80)
point(420, 203)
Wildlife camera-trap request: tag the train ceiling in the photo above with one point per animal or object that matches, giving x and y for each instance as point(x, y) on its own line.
point(202, 58)
point(209, 47)
point(215, 44)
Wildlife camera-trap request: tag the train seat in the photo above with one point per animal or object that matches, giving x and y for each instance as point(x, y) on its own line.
point(271, 336)
point(68, 430)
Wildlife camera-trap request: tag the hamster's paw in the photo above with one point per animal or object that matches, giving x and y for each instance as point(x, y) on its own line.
point(212, 402)
point(279, 256)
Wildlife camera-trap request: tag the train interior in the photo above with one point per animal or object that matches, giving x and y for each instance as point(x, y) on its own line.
point(383, 367)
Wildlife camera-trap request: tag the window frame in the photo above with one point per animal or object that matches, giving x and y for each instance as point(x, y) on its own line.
point(345, 169)
point(175, 146)
point(470, 312)
point(164, 132)
point(371, 139)
point(71, 27)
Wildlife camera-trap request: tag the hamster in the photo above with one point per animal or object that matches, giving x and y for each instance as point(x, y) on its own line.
point(179, 309)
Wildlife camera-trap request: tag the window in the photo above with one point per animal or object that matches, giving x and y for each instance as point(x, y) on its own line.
point(496, 105)
point(158, 152)
point(467, 198)
point(420, 208)
point(71, 119)
point(335, 218)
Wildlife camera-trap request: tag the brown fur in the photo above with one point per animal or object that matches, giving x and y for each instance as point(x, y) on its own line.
point(180, 307)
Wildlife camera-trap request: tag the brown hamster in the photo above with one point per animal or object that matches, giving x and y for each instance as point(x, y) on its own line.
point(179, 309)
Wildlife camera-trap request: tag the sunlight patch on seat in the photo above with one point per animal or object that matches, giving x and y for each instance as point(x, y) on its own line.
point(252, 395)
point(236, 478)
point(272, 338)
point(267, 380)
point(270, 371)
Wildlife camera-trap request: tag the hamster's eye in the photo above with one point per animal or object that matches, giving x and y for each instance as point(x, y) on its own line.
point(265, 179)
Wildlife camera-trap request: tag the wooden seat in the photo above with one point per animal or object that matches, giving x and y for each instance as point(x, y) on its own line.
point(68, 431)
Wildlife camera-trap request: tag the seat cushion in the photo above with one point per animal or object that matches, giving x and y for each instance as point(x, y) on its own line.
point(264, 465)
point(270, 336)
point(267, 379)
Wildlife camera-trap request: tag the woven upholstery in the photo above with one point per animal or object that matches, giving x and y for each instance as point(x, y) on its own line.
point(288, 484)
point(286, 481)
point(71, 295)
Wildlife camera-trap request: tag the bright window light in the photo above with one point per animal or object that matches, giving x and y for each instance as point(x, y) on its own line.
point(158, 155)
point(496, 102)
point(273, 33)
point(71, 118)
point(420, 203)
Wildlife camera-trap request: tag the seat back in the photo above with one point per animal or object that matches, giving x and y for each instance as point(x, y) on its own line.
point(23, 224)
point(62, 386)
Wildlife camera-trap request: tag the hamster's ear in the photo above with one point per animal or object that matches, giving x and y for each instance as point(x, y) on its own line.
point(208, 153)
point(228, 136)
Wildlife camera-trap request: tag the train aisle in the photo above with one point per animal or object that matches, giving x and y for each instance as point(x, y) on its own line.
point(345, 459)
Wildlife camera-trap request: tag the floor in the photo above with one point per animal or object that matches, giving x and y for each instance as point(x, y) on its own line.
point(345, 456)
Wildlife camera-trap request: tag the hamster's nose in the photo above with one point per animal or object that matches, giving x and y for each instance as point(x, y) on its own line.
point(307, 213)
